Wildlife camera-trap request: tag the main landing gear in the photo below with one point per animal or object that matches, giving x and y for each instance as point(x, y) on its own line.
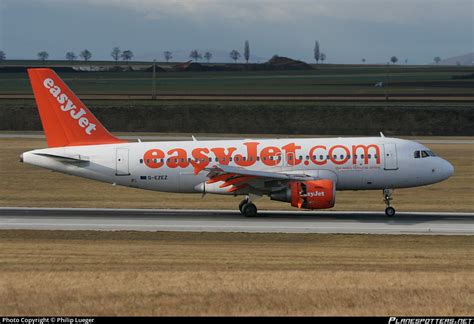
point(247, 208)
point(387, 198)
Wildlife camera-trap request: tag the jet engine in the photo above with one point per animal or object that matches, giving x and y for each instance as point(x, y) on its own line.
point(316, 194)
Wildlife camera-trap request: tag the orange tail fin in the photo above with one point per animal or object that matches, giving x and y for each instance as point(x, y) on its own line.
point(66, 120)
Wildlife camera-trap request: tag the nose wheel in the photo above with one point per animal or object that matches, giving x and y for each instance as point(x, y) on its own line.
point(390, 211)
point(387, 198)
point(247, 208)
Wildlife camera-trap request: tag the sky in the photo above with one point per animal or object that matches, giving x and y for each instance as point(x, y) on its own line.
point(347, 30)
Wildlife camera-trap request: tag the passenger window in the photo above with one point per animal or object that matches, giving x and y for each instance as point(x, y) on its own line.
point(424, 154)
point(342, 157)
point(236, 159)
point(369, 156)
point(258, 158)
point(244, 158)
point(141, 161)
point(321, 157)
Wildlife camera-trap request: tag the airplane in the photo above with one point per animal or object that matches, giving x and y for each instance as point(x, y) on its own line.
point(305, 172)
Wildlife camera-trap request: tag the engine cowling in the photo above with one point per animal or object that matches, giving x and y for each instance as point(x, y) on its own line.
point(316, 194)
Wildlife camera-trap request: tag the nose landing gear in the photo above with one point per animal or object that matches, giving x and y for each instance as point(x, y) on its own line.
point(387, 198)
point(247, 208)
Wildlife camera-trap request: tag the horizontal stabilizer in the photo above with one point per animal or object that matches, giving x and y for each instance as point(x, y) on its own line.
point(69, 158)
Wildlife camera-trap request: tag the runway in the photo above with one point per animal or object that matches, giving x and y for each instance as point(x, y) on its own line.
point(348, 222)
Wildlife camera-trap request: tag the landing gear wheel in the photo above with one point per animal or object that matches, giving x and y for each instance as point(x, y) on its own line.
point(387, 199)
point(249, 210)
point(242, 203)
point(390, 211)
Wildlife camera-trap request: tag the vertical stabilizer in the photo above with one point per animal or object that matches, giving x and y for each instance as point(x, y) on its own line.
point(66, 120)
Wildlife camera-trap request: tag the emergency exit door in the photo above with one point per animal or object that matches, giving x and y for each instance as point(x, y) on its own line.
point(390, 157)
point(121, 162)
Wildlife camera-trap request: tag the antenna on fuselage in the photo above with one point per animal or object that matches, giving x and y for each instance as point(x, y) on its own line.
point(194, 138)
point(381, 134)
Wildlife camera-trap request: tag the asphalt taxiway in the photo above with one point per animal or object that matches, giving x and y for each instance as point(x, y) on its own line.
point(348, 222)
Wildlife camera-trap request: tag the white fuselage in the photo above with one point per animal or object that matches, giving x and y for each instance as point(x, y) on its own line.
point(363, 163)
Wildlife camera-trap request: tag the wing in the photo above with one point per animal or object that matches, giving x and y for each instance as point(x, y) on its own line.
point(239, 178)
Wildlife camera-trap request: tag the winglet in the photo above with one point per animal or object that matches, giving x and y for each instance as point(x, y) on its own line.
point(66, 120)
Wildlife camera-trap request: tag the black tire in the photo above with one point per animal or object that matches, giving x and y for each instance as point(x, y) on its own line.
point(249, 210)
point(390, 211)
point(241, 205)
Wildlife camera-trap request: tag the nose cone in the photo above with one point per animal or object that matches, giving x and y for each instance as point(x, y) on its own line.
point(447, 169)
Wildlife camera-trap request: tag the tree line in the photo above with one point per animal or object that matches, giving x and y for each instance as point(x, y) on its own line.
point(127, 55)
point(235, 55)
point(86, 55)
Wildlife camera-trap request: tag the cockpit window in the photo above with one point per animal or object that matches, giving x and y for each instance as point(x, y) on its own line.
point(423, 154)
